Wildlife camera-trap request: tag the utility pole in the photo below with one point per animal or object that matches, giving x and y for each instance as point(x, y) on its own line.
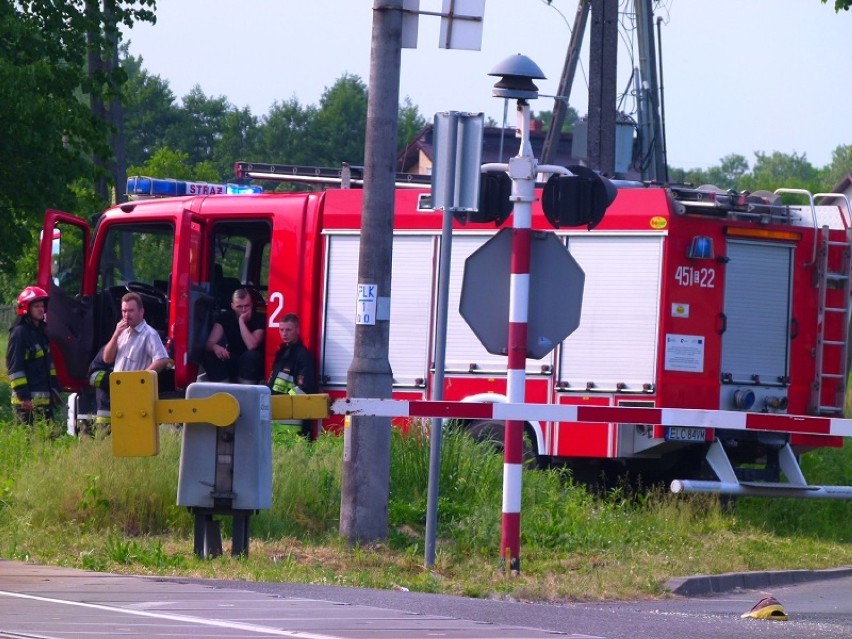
point(603, 52)
point(566, 80)
point(651, 130)
point(366, 443)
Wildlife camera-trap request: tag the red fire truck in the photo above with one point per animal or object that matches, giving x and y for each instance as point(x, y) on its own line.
point(735, 304)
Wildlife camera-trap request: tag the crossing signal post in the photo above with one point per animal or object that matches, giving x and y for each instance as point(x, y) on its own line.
point(516, 81)
point(495, 198)
point(579, 198)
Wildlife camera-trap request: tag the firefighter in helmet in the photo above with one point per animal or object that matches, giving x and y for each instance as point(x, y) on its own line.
point(35, 388)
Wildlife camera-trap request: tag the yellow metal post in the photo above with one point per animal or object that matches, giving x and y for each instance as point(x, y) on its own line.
point(300, 406)
point(133, 397)
point(220, 410)
point(137, 412)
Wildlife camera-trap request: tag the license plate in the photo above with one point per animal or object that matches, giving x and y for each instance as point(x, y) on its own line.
point(683, 434)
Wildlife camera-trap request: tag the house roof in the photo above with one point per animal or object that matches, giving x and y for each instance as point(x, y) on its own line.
point(498, 145)
point(843, 186)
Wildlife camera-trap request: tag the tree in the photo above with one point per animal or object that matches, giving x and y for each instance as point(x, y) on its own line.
point(237, 140)
point(840, 5)
point(212, 131)
point(337, 131)
point(199, 126)
point(779, 170)
point(165, 162)
point(841, 165)
point(727, 175)
point(410, 123)
point(283, 132)
point(49, 132)
point(571, 117)
point(150, 111)
point(770, 172)
point(329, 134)
point(733, 168)
point(105, 77)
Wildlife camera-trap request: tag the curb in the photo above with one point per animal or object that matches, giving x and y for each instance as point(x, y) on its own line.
point(726, 582)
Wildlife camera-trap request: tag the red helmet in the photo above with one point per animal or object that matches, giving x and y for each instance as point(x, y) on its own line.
point(28, 296)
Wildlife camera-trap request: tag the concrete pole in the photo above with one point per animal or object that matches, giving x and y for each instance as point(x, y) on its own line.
point(366, 445)
point(522, 169)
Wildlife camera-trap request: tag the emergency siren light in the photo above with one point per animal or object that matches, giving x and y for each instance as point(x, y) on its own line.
point(139, 187)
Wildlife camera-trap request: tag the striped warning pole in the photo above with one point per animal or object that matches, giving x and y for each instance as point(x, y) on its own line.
point(522, 172)
point(572, 414)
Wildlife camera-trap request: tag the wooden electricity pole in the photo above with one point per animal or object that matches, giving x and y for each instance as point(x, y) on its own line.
point(603, 58)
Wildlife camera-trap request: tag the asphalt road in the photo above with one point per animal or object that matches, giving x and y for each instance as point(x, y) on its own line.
point(38, 602)
point(819, 608)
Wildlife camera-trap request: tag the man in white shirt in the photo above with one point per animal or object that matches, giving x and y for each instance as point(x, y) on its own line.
point(135, 346)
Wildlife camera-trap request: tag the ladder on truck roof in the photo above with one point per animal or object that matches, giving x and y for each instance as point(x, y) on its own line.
point(761, 206)
point(346, 176)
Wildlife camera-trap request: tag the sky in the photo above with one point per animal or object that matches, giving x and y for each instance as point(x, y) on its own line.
point(738, 76)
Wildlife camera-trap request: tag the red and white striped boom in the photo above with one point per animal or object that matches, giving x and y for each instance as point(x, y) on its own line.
point(689, 417)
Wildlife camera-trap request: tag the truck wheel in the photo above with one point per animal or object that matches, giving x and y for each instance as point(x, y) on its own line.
point(493, 431)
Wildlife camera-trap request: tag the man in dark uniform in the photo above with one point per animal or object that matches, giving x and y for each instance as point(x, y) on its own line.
point(234, 349)
point(99, 372)
point(293, 371)
point(35, 387)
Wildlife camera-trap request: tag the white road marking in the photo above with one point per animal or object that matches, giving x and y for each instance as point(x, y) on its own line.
point(181, 618)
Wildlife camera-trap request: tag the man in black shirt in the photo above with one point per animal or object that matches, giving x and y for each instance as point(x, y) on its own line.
point(293, 371)
point(234, 349)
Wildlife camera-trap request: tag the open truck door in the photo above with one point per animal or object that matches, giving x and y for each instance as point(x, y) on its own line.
point(63, 256)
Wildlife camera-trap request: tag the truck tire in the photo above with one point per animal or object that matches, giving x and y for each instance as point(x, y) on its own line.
point(492, 432)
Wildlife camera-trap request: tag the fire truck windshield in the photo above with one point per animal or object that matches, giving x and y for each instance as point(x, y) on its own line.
point(136, 252)
point(136, 257)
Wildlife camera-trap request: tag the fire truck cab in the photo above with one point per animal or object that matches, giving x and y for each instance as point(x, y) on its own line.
point(694, 298)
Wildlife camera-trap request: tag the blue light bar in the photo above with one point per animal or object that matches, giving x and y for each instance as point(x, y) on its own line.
point(139, 187)
point(242, 189)
point(150, 187)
